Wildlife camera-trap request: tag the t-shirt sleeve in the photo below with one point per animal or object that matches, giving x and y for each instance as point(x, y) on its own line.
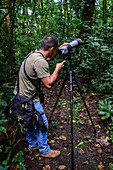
point(42, 68)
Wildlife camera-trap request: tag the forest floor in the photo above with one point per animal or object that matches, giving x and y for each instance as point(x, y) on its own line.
point(90, 152)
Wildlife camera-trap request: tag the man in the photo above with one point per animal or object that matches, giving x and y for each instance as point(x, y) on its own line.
point(37, 69)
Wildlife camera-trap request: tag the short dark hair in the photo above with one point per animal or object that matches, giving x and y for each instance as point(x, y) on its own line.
point(49, 41)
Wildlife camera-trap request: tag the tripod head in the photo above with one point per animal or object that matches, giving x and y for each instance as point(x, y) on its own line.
point(69, 55)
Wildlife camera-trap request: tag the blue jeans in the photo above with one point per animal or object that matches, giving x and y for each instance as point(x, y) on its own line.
point(37, 137)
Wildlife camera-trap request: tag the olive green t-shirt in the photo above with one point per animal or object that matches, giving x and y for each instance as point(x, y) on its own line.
point(36, 68)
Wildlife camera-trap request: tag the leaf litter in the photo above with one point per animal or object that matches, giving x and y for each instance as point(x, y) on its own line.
point(90, 153)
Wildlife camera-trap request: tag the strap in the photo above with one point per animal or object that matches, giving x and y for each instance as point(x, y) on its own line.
point(18, 73)
point(18, 79)
point(27, 75)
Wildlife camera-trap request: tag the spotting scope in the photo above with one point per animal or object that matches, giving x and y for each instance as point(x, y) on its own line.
point(66, 49)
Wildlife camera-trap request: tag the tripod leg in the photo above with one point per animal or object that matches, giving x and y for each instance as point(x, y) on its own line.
point(84, 101)
point(71, 104)
point(59, 95)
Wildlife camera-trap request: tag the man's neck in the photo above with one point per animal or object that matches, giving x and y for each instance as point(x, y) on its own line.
point(45, 53)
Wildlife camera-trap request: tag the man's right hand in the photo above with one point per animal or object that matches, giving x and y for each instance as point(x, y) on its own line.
point(48, 81)
point(59, 66)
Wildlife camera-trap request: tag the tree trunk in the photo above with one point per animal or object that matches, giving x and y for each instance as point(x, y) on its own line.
point(87, 15)
point(64, 18)
point(104, 18)
point(104, 12)
point(42, 15)
point(10, 44)
point(24, 28)
point(34, 10)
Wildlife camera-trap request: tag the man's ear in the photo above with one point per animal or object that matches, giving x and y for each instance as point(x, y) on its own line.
point(51, 48)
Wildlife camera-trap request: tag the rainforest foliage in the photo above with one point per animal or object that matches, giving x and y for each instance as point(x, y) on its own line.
point(23, 24)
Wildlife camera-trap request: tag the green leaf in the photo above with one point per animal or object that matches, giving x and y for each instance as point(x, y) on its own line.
point(7, 159)
point(7, 149)
point(4, 168)
point(111, 111)
point(103, 117)
point(81, 143)
point(3, 129)
point(88, 136)
point(3, 121)
point(3, 103)
point(110, 157)
point(89, 140)
point(5, 162)
point(101, 112)
point(112, 118)
point(107, 114)
point(1, 146)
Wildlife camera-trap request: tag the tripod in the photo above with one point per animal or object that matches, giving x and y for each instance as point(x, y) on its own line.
point(71, 73)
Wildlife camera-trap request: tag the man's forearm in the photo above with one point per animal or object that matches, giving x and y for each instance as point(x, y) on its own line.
point(54, 76)
point(48, 81)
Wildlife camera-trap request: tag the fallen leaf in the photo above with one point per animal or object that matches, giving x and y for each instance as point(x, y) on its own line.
point(62, 167)
point(65, 148)
point(80, 151)
point(100, 167)
point(86, 163)
point(97, 125)
point(52, 141)
point(103, 141)
point(100, 150)
point(36, 156)
point(85, 117)
point(22, 131)
point(56, 111)
point(62, 138)
point(107, 132)
point(82, 115)
point(92, 149)
point(46, 167)
point(97, 145)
